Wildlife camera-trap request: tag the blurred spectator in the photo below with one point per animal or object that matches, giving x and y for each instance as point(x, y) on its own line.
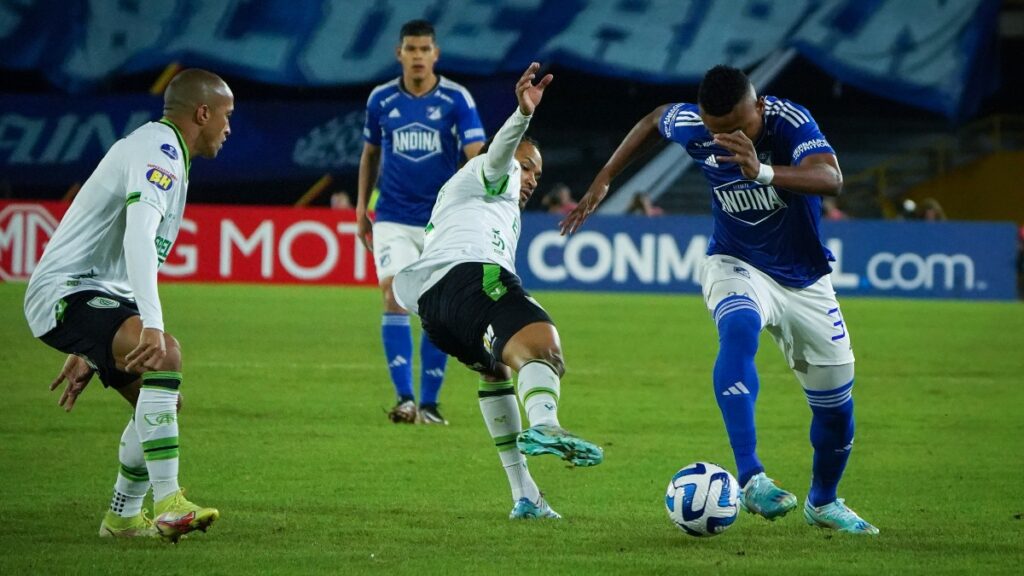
point(930, 210)
point(559, 200)
point(340, 200)
point(642, 205)
point(830, 209)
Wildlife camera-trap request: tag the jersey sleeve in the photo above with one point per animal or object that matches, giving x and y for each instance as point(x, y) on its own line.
point(498, 161)
point(468, 120)
point(152, 177)
point(371, 128)
point(801, 132)
point(141, 262)
point(677, 121)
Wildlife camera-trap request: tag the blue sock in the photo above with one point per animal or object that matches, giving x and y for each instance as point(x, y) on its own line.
point(397, 336)
point(832, 438)
point(432, 363)
point(735, 377)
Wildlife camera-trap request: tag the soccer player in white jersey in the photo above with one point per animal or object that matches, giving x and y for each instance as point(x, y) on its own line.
point(768, 166)
point(418, 126)
point(94, 297)
point(473, 306)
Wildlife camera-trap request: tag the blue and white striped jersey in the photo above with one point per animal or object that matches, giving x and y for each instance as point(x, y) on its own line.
point(421, 140)
point(771, 228)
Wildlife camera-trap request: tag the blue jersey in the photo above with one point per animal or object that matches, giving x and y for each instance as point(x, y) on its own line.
point(421, 139)
point(772, 229)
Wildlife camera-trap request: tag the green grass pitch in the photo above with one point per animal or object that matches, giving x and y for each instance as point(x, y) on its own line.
point(284, 430)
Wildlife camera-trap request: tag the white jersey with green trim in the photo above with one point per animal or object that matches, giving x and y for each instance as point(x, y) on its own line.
point(473, 221)
point(86, 251)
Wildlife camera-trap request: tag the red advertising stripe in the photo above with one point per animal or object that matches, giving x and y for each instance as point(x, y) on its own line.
point(218, 244)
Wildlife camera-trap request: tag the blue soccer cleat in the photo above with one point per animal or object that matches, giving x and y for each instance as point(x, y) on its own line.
point(761, 496)
point(526, 510)
point(542, 439)
point(837, 516)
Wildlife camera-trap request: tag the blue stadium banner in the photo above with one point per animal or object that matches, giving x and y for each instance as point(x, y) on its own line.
point(874, 258)
point(922, 52)
point(53, 140)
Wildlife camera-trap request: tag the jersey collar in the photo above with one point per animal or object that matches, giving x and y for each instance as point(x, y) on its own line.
point(181, 143)
point(401, 86)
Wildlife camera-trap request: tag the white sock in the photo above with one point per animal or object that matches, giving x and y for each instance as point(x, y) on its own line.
point(519, 477)
point(132, 477)
point(538, 390)
point(501, 415)
point(156, 419)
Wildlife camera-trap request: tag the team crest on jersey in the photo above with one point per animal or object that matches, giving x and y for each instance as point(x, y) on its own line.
point(159, 177)
point(169, 151)
point(416, 141)
point(748, 201)
point(103, 303)
point(433, 112)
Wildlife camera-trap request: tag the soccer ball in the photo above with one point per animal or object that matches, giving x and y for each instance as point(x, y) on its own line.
point(702, 499)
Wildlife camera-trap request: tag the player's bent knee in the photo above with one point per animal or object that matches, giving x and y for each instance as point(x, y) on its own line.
point(551, 357)
point(171, 361)
point(537, 342)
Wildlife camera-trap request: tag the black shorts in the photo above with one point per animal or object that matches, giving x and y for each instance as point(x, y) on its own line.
point(91, 319)
point(474, 310)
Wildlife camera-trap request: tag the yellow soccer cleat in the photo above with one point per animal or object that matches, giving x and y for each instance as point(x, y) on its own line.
point(138, 526)
point(176, 516)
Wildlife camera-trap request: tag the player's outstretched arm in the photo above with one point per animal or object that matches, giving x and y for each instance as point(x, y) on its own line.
point(528, 93)
point(640, 140)
point(77, 373)
point(506, 140)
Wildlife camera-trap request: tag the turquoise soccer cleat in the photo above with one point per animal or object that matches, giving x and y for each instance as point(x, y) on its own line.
point(837, 516)
point(543, 439)
point(761, 496)
point(526, 510)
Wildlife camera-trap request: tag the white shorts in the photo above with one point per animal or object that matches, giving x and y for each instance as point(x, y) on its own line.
point(395, 246)
point(805, 323)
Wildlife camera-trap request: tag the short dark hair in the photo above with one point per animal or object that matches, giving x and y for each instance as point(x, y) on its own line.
point(722, 88)
point(416, 28)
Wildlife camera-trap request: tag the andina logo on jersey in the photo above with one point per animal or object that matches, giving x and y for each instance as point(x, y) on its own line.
point(416, 141)
point(748, 201)
point(159, 177)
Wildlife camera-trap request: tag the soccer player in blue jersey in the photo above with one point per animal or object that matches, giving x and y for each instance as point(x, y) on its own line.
point(768, 166)
point(417, 128)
